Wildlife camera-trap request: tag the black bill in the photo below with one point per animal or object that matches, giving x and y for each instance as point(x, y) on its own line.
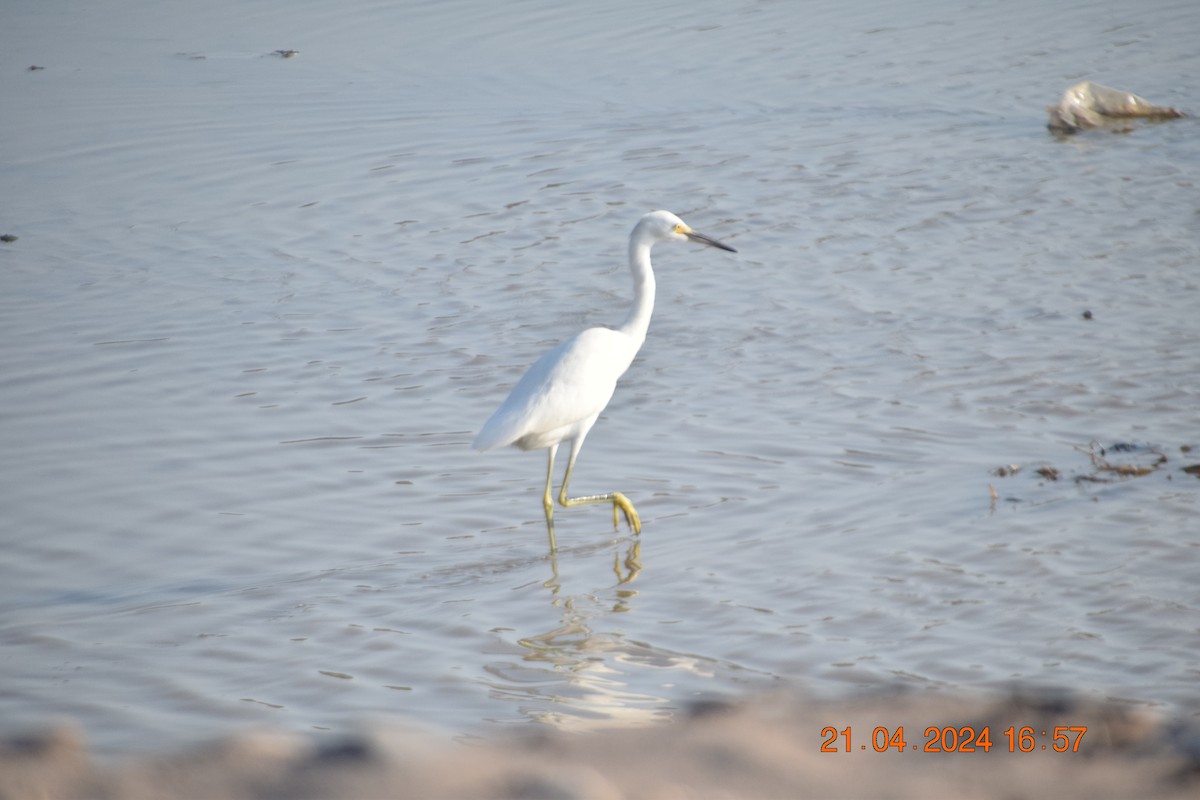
point(708, 240)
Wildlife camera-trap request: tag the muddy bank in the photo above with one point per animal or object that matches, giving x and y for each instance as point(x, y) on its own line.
point(905, 746)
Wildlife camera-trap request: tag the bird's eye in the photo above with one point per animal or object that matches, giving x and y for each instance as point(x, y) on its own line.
point(679, 229)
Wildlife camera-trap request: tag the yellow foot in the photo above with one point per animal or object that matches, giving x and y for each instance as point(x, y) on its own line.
point(621, 502)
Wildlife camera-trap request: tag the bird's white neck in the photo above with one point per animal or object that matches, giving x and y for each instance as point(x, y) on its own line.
point(638, 321)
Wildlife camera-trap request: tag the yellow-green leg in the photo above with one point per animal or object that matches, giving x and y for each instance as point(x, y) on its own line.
point(548, 501)
point(618, 500)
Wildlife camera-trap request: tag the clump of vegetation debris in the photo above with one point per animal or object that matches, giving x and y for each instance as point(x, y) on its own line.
point(1116, 462)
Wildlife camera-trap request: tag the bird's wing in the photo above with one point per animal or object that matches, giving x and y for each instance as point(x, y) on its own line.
point(570, 383)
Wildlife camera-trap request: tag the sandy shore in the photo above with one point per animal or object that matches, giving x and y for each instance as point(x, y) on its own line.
point(770, 747)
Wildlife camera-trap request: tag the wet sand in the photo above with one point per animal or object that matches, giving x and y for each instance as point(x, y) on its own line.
point(769, 747)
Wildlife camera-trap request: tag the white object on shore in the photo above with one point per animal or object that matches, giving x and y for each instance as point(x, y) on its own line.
point(1091, 105)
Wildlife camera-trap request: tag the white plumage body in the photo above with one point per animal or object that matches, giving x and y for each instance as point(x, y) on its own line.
point(563, 393)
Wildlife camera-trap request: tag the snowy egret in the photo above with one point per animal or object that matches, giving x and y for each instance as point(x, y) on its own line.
point(563, 393)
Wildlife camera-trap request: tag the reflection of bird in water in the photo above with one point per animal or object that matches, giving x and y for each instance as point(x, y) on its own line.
point(632, 566)
point(563, 393)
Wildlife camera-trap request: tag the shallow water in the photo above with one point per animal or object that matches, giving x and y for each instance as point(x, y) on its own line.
point(258, 308)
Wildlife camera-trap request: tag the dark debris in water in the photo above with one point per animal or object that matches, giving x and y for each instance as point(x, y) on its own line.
point(1144, 460)
point(1049, 473)
point(1106, 464)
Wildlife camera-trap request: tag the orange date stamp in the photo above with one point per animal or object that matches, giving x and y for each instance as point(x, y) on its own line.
point(962, 739)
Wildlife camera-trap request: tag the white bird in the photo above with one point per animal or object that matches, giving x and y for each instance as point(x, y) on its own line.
point(563, 393)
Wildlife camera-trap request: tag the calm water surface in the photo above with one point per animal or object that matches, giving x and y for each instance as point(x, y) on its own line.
point(258, 308)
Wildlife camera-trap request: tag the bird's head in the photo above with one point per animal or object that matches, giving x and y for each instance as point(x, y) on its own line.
point(665, 226)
